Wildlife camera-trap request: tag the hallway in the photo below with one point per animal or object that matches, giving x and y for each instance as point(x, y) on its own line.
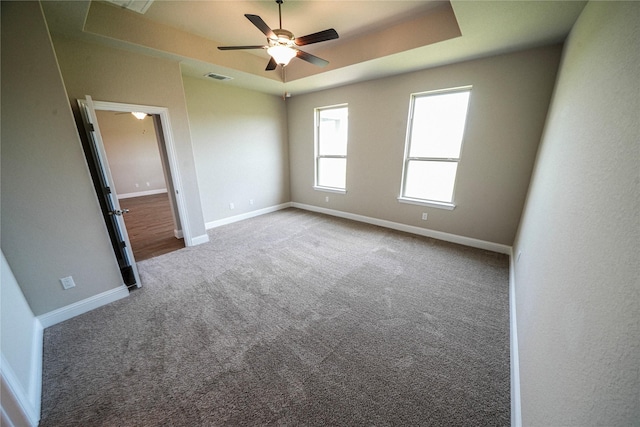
point(150, 226)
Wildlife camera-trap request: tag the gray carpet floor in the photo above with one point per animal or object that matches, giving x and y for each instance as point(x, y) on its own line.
point(294, 319)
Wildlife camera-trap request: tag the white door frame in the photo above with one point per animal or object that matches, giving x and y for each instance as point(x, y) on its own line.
point(95, 138)
point(169, 143)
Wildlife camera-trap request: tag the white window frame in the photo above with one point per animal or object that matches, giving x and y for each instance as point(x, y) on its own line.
point(318, 156)
point(426, 202)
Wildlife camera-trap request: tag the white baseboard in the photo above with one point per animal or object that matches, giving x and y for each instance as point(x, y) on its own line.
point(467, 241)
point(81, 307)
point(35, 385)
point(516, 414)
point(516, 408)
point(236, 218)
point(141, 193)
point(198, 240)
point(453, 238)
point(18, 408)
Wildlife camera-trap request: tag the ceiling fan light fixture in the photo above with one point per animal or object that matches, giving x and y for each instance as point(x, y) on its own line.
point(282, 46)
point(281, 54)
point(138, 115)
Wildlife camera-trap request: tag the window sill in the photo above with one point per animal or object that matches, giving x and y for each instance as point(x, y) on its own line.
point(430, 203)
point(330, 189)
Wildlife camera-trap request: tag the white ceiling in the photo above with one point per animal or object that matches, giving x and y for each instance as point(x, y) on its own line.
point(377, 38)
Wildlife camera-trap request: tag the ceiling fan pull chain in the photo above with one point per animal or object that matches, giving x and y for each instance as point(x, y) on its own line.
point(279, 12)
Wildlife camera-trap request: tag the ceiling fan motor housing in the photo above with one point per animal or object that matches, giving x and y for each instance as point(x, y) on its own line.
point(285, 38)
point(282, 45)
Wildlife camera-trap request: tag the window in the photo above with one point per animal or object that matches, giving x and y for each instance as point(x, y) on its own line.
point(331, 148)
point(434, 141)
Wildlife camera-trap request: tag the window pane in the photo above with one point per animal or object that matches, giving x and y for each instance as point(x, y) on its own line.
point(332, 132)
point(332, 173)
point(438, 125)
point(430, 180)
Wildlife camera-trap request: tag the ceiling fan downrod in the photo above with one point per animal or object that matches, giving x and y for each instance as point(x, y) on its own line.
point(280, 12)
point(284, 42)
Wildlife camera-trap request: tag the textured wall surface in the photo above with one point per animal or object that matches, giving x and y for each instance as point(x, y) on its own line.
point(577, 281)
point(114, 75)
point(240, 147)
point(132, 151)
point(507, 109)
point(52, 226)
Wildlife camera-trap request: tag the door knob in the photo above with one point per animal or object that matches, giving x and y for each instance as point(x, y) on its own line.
point(119, 212)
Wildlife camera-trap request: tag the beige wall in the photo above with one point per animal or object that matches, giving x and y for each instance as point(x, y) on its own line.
point(577, 280)
point(113, 75)
point(507, 109)
point(132, 152)
point(52, 226)
point(240, 146)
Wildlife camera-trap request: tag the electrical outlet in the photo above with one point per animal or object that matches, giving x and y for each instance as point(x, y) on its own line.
point(67, 282)
point(148, 185)
point(137, 185)
point(424, 216)
point(250, 201)
point(232, 206)
point(326, 199)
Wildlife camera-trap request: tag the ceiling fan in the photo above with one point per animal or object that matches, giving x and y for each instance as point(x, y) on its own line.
point(282, 45)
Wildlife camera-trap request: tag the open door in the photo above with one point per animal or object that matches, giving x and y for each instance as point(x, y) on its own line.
point(109, 203)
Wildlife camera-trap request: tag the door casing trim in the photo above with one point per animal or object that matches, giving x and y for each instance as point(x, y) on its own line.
point(169, 144)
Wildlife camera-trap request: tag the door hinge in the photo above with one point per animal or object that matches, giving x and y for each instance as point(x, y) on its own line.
point(123, 245)
point(107, 190)
point(91, 128)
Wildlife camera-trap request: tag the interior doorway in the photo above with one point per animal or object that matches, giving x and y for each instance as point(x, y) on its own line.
point(106, 191)
point(141, 181)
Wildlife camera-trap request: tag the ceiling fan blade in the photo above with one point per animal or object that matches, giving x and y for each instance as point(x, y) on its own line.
point(271, 65)
point(321, 36)
point(312, 59)
point(262, 26)
point(241, 47)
